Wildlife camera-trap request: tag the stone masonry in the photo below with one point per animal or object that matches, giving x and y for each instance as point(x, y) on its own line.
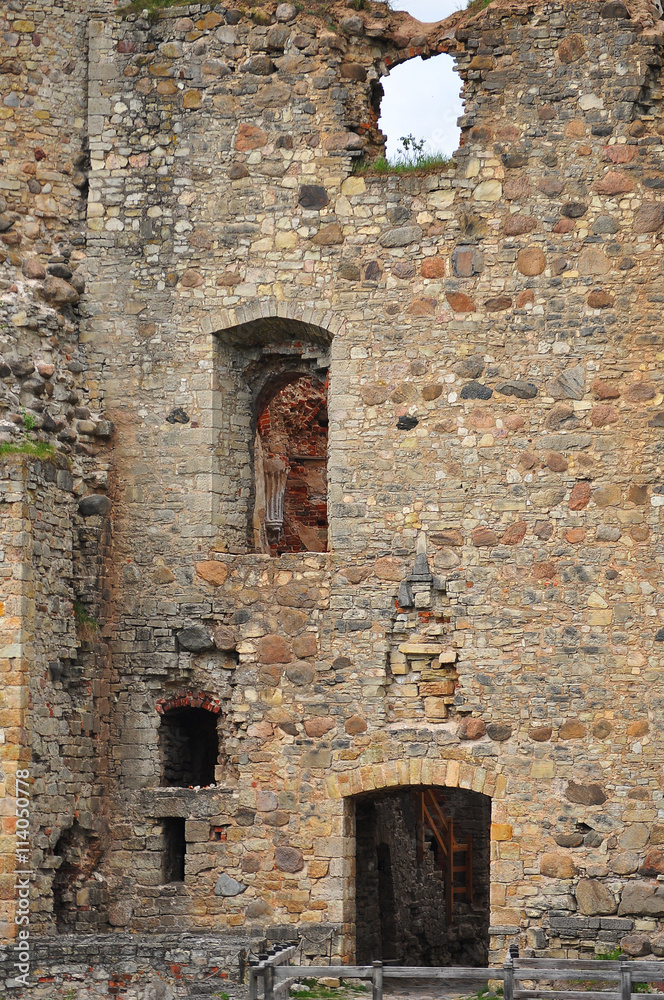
point(187, 226)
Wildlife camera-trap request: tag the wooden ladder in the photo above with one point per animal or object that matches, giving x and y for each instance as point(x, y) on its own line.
point(431, 820)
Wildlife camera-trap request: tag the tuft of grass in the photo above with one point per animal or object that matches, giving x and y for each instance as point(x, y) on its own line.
point(427, 163)
point(153, 7)
point(411, 158)
point(485, 993)
point(82, 617)
point(475, 6)
point(39, 449)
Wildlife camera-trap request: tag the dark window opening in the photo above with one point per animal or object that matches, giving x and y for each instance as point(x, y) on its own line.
point(175, 849)
point(189, 746)
point(422, 883)
point(290, 465)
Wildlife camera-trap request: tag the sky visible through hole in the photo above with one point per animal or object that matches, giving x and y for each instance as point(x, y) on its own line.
point(422, 96)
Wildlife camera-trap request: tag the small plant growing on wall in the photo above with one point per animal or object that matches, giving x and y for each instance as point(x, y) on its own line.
point(27, 444)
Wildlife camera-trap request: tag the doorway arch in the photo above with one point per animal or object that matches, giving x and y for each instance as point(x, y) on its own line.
point(405, 775)
point(422, 861)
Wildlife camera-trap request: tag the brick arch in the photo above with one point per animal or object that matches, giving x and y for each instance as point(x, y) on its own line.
point(271, 309)
point(189, 699)
point(401, 773)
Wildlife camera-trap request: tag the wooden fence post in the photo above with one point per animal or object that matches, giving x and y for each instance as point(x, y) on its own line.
point(253, 983)
point(377, 980)
point(625, 981)
point(268, 978)
point(508, 978)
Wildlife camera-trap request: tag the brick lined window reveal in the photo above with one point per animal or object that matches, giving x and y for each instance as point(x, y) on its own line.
point(291, 459)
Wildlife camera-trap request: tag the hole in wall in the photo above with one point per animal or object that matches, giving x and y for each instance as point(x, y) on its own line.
point(189, 747)
point(79, 899)
point(429, 11)
point(421, 99)
point(175, 849)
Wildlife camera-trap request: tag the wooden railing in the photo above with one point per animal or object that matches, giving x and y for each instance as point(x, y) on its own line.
point(520, 976)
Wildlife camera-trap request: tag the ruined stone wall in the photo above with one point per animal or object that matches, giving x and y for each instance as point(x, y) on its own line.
point(493, 342)
point(494, 379)
point(52, 705)
point(169, 965)
point(43, 189)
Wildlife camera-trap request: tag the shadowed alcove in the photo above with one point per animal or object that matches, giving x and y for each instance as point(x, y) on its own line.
point(422, 884)
point(273, 379)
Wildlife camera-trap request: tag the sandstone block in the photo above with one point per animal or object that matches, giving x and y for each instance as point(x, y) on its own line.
point(288, 859)
point(319, 726)
point(471, 729)
point(587, 795)
point(635, 945)
point(433, 267)
point(389, 568)
point(59, 292)
point(212, 571)
point(594, 898)
point(531, 261)
point(355, 725)
point(557, 865)
point(649, 217)
point(519, 225)
point(514, 534)
point(642, 899)
point(274, 649)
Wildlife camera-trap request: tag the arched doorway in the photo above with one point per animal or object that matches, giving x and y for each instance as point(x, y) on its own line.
point(422, 876)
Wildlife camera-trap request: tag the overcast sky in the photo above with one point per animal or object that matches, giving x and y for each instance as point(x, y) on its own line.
point(422, 96)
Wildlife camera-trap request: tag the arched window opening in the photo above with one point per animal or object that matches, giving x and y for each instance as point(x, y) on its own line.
point(290, 465)
point(189, 747)
point(421, 105)
point(255, 362)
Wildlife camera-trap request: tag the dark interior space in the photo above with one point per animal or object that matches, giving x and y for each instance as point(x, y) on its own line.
point(175, 849)
point(189, 747)
point(422, 884)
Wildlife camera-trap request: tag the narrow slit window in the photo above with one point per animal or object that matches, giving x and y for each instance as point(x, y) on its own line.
point(175, 849)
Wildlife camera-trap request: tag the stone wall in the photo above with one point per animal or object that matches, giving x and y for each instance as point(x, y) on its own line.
point(53, 705)
point(493, 342)
point(161, 967)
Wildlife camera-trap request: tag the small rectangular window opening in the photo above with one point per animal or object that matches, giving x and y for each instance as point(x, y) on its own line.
point(175, 849)
point(218, 833)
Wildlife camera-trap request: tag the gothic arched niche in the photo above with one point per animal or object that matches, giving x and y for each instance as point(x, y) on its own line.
point(273, 436)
